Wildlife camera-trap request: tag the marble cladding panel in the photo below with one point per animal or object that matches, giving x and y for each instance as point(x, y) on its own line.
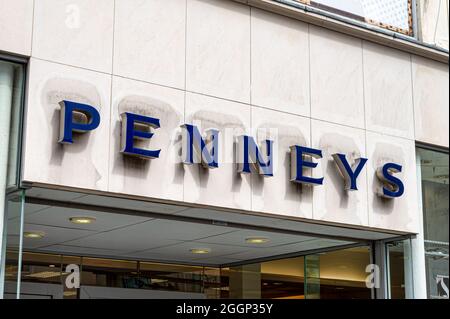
point(400, 213)
point(337, 90)
point(83, 164)
point(160, 177)
point(331, 201)
point(218, 49)
point(222, 186)
point(75, 32)
point(388, 91)
point(16, 26)
point(277, 194)
point(149, 41)
point(431, 103)
point(279, 63)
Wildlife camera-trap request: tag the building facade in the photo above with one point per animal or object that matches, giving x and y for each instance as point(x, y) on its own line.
point(224, 149)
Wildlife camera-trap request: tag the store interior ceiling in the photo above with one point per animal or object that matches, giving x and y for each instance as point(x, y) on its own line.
point(140, 230)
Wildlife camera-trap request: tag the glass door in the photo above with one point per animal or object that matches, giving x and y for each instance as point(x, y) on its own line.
point(11, 258)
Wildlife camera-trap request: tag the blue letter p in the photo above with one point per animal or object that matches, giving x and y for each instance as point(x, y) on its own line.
point(76, 117)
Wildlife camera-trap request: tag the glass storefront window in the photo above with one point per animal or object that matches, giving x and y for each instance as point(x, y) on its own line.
point(11, 254)
point(339, 274)
point(336, 274)
point(11, 98)
point(108, 273)
point(171, 277)
point(37, 266)
point(283, 279)
point(435, 202)
point(399, 265)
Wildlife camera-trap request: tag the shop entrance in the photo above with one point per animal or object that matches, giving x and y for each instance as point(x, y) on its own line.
point(72, 245)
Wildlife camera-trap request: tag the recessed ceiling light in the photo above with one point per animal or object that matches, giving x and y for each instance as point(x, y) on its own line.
point(33, 234)
point(200, 250)
point(44, 274)
point(256, 240)
point(69, 293)
point(82, 220)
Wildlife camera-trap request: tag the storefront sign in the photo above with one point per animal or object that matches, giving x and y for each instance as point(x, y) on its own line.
point(250, 157)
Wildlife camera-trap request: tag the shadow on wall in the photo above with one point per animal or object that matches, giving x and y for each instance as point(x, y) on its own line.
point(385, 153)
point(335, 194)
point(283, 136)
point(54, 91)
point(165, 138)
point(229, 126)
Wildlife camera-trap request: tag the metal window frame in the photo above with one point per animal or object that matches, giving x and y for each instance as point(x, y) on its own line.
point(438, 149)
point(380, 24)
point(20, 139)
point(14, 190)
point(308, 14)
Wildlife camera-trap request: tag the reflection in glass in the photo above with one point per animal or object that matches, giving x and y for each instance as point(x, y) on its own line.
point(283, 279)
point(343, 274)
point(435, 202)
point(170, 277)
point(109, 273)
point(11, 260)
point(400, 269)
point(330, 275)
point(312, 277)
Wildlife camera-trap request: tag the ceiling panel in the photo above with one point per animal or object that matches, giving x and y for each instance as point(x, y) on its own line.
point(180, 230)
point(287, 249)
point(83, 251)
point(14, 209)
point(239, 238)
point(59, 217)
point(130, 204)
point(224, 216)
point(52, 235)
point(330, 230)
point(181, 253)
point(53, 194)
point(131, 238)
point(128, 236)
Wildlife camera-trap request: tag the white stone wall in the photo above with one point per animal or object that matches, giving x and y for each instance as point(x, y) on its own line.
point(227, 65)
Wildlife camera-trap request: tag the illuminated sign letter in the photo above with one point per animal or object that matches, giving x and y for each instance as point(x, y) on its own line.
point(76, 117)
point(137, 127)
point(298, 162)
point(392, 186)
point(347, 172)
point(248, 154)
point(194, 148)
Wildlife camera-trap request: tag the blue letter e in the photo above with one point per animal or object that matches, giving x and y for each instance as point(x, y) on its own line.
point(137, 127)
point(76, 117)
